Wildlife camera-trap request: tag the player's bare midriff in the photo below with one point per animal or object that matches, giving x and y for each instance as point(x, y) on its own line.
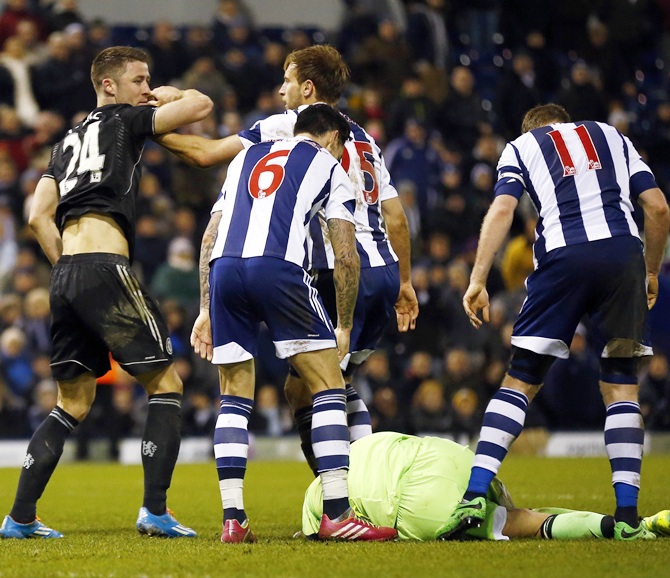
point(93, 233)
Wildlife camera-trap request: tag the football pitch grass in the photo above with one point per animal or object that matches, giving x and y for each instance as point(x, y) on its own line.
point(95, 506)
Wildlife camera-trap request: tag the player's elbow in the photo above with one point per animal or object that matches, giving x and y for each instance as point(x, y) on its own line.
point(203, 106)
point(657, 211)
point(201, 159)
point(37, 221)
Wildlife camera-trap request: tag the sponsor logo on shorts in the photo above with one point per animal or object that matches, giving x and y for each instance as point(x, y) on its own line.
point(28, 461)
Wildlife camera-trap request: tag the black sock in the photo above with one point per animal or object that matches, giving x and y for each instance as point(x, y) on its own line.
point(607, 526)
point(303, 420)
point(44, 451)
point(627, 514)
point(469, 496)
point(160, 448)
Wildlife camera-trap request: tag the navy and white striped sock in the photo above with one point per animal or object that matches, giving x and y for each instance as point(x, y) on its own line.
point(358, 416)
point(624, 441)
point(231, 449)
point(330, 442)
point(503, 422)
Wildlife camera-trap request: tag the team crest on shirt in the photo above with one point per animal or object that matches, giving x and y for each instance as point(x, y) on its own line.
point(168, 346)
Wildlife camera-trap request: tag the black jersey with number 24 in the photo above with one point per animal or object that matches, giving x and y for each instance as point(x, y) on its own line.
point(97, 165)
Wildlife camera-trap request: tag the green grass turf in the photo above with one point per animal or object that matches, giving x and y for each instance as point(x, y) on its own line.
point(95, 506)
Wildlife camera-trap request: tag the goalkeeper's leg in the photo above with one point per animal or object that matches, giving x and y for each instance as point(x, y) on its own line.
point(557, 524)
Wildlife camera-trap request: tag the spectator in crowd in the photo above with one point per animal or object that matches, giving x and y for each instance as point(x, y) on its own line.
point(168, 54)
point(515, 94)
point(462, 118)
point(36, 322)
point(36, 51)
point(45, 395)
point(466, 414)
point(8, 245)
point(57, 85)
point(412, 102)
point(412, 158)
point(582, 98)
point(427, 33)
point(386, 414)
point(62, 13)
point(517, 260)
point(268, 420)
point(16, 60)
point(178, 279)
point(14, 12)
point(227, 13)
point(200, 414)
point(430, 410)
point(383, 59)
point(15, 362)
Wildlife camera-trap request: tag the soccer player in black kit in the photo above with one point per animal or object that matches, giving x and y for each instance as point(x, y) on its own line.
point(83, 216)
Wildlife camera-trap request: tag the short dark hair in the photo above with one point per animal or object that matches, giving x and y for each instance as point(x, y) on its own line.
point(324, 66)
point(318, 119)
point(111, 63)
point(542, 115)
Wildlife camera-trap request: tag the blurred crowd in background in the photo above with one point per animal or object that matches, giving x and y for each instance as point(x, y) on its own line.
point(441, 85)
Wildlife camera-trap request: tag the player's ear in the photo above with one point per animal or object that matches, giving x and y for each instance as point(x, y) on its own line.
point(308, 88)
point(109, 87)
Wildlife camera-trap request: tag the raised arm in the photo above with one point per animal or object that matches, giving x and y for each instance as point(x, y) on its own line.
point(42, 218)
point(345, 276)
point(177, 108)
point(656, 225)
point(407, 305)
point(201, 152)
point(495, 228)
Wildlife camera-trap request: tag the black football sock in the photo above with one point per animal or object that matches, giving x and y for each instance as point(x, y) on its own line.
point(160, 448)
point(303, 420)
point(44, 451)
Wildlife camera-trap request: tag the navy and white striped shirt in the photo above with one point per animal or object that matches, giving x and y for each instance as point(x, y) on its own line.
point(271, 192)
point(581, 178)
point(370, 178)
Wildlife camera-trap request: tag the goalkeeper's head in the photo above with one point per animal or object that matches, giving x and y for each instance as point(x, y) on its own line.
point(324, 66)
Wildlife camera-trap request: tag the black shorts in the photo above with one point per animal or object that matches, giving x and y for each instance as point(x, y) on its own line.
point(99, 307)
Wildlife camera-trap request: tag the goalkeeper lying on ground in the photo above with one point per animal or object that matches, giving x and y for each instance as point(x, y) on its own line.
point(413, 484)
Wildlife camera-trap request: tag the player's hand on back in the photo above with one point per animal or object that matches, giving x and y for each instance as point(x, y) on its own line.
point(476, 298)
point(201, 336)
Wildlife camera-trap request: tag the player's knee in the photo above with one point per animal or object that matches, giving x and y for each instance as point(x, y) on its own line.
point(619, 370)
point(78, 408)
point(296, 392)
point(528, 366)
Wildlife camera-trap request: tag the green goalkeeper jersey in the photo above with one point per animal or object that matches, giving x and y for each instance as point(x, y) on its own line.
point(412, 484)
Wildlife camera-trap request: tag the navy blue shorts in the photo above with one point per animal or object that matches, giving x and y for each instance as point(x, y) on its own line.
point(378, 290)
point(604, 280)
point(246, 292)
